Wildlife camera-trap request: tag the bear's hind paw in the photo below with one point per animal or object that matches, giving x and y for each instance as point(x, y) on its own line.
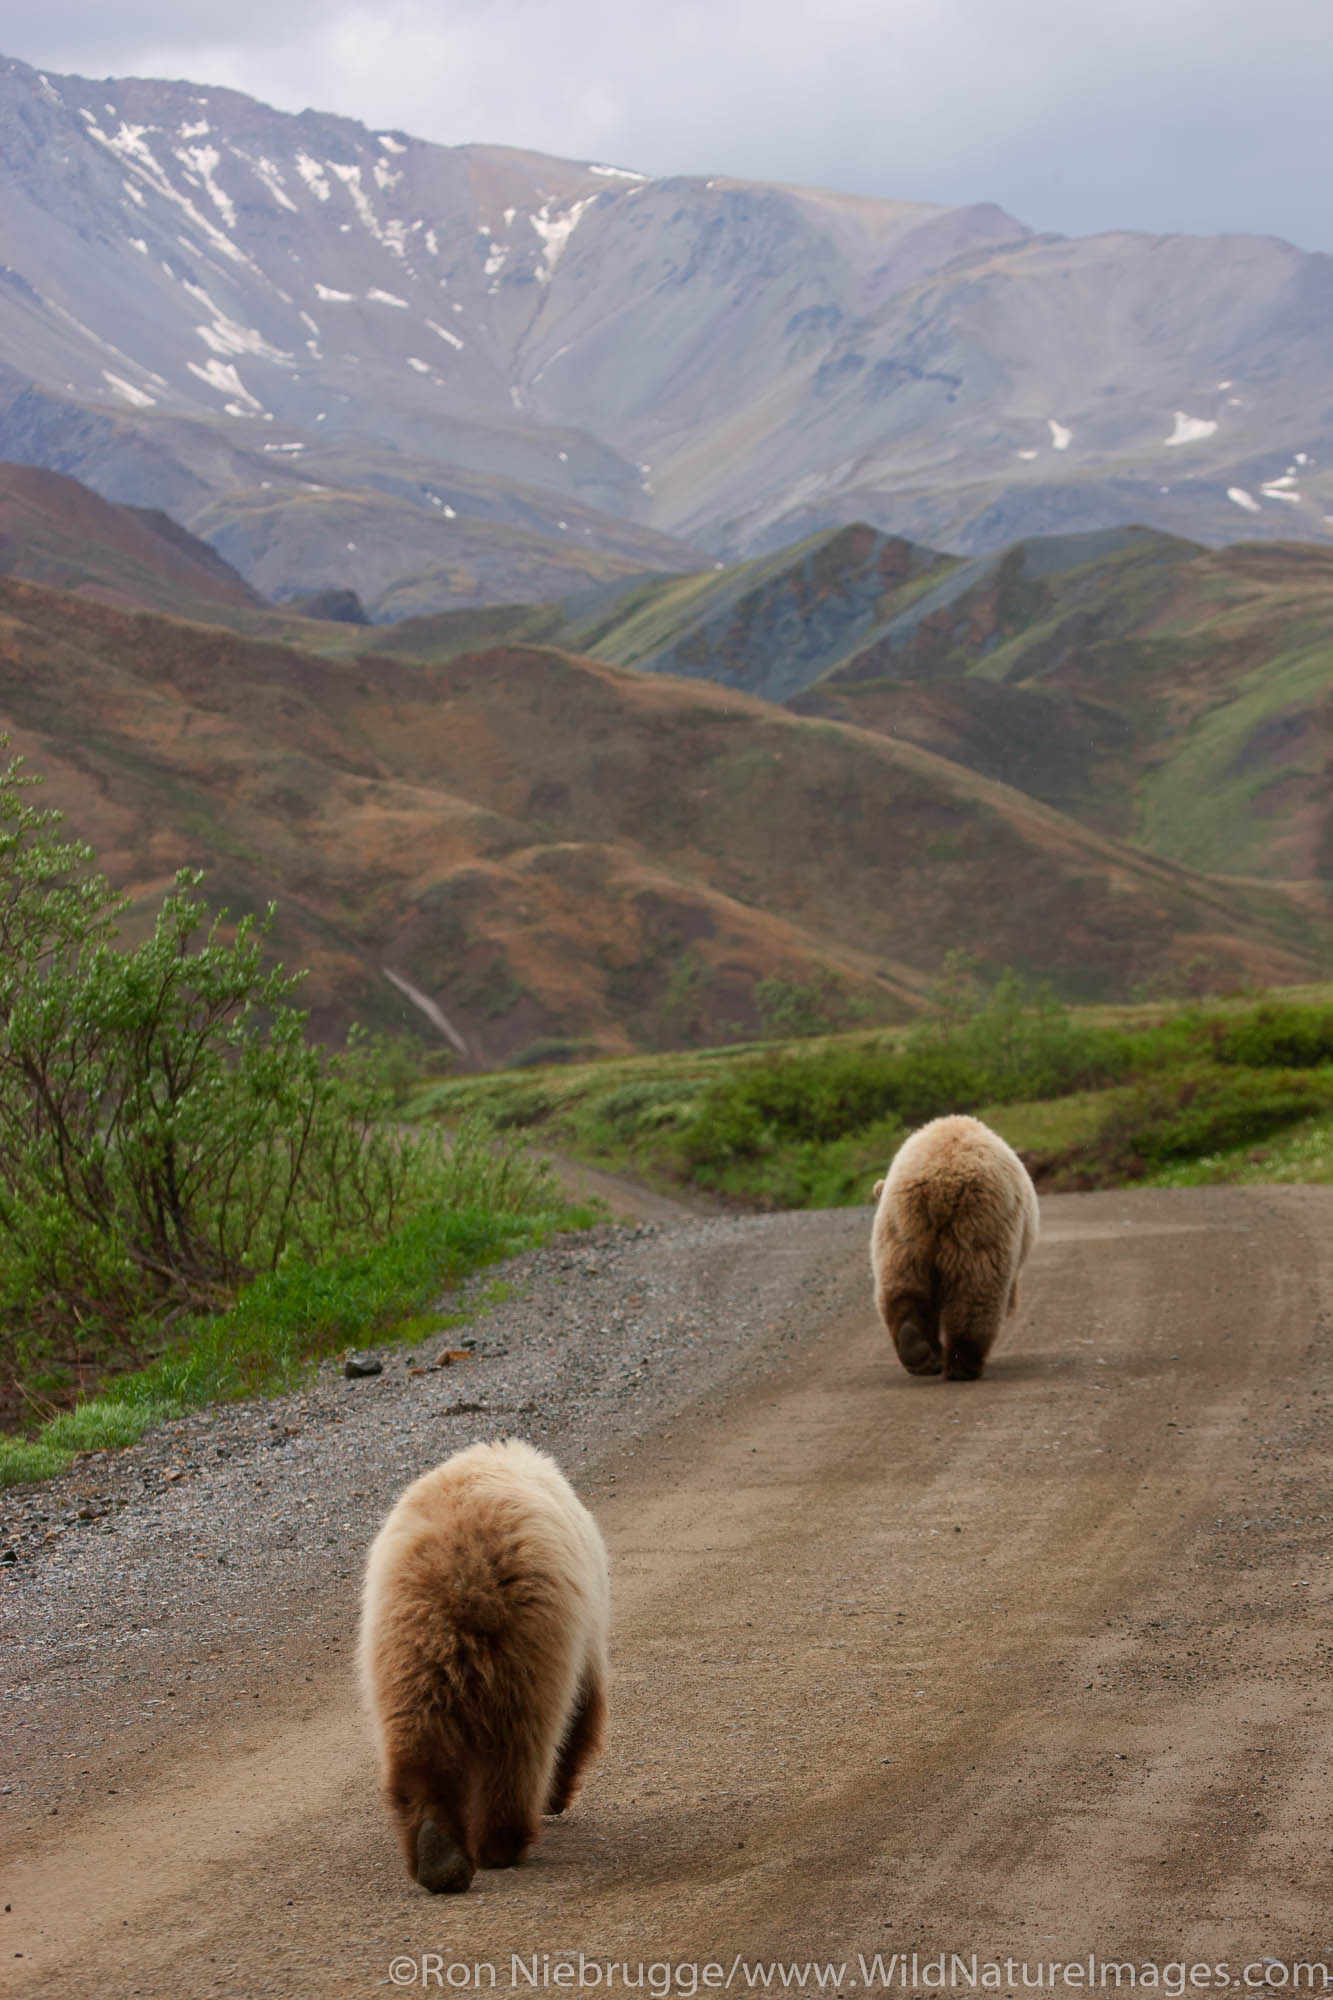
point(442, 1866)
point(917, 1352)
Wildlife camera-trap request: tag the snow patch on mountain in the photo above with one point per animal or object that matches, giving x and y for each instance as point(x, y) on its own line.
point(333, 297)
point(128, 145)
point(226, 336)
point(107, 346)
point(1060, 435)
point(222, 376)
point(139, 397)
point(360, 200)
point(386, 298)
point(203, 161)
point(314, 177)
point(267, 174)
point(556, 230)
point(445, 334)
point(1191, 430)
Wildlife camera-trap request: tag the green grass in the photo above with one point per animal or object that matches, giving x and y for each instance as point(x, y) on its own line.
point(1303, 1155)
point(1060, 1124)
point(494, 1200)
point(285, 1322)
point(1237, 1090)
point(1092, 1097)
point(1198, 807)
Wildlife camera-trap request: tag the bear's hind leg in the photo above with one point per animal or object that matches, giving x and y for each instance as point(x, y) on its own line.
point(914, 1324)
point(508, 1836)
point(436, 1813)
point(583, 1739)
point(516, 1790)
point(969, 1335)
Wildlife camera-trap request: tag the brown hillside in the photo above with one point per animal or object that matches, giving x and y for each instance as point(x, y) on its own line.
point(544, 845)
point(55, 531)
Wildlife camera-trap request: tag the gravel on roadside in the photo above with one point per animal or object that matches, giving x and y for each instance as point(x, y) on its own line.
point(149, 1562)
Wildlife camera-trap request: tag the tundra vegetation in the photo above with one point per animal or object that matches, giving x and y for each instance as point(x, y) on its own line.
point(196, 1200)
point(1236, 1088)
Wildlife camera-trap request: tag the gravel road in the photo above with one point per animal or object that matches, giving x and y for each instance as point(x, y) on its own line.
point(1032, 1667)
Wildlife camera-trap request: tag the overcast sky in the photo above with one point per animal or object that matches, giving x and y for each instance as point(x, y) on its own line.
point(1076, 115)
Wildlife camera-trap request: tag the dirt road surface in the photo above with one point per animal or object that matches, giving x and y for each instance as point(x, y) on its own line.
point(1031, 1668)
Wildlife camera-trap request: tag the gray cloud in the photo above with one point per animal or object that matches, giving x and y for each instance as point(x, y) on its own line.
point(1194, 115)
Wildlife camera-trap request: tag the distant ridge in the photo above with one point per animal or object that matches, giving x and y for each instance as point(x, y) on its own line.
point(446, 377)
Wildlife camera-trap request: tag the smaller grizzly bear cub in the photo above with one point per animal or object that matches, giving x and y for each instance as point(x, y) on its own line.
point(483, 1657)
point(957, 1215)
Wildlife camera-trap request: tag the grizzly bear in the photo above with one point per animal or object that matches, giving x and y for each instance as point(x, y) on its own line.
point(956, 1216)
point(483, 1657)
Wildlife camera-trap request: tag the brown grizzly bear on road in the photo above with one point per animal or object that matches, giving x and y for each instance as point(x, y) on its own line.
point(957, 1215)
point(483, 1656)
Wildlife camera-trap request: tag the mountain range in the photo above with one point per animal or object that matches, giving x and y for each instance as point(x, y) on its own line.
point(447, 376)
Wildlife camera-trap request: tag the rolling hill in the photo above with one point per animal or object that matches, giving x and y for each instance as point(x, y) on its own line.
point(539, 845)
point(1158, 691)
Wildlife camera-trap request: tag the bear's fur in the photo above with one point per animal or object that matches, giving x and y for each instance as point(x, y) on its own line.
point(956, 1216)
point(483, 1657)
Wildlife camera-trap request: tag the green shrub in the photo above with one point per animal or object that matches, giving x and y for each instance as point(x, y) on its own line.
point(794, 1008)
point(1278, 1037)
point(1013, 1047)
point(1028, 1047)
point(493, 1202)
point(167, 1133)
point(1169, 1118)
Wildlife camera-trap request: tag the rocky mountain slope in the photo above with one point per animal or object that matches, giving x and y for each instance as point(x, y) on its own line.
point(445, 375)
point(517, 843)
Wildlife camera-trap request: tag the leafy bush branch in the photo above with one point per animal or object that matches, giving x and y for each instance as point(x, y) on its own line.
point(167, 1133)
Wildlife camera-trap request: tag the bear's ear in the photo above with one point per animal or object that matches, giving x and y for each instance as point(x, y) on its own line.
point(879, 1189)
